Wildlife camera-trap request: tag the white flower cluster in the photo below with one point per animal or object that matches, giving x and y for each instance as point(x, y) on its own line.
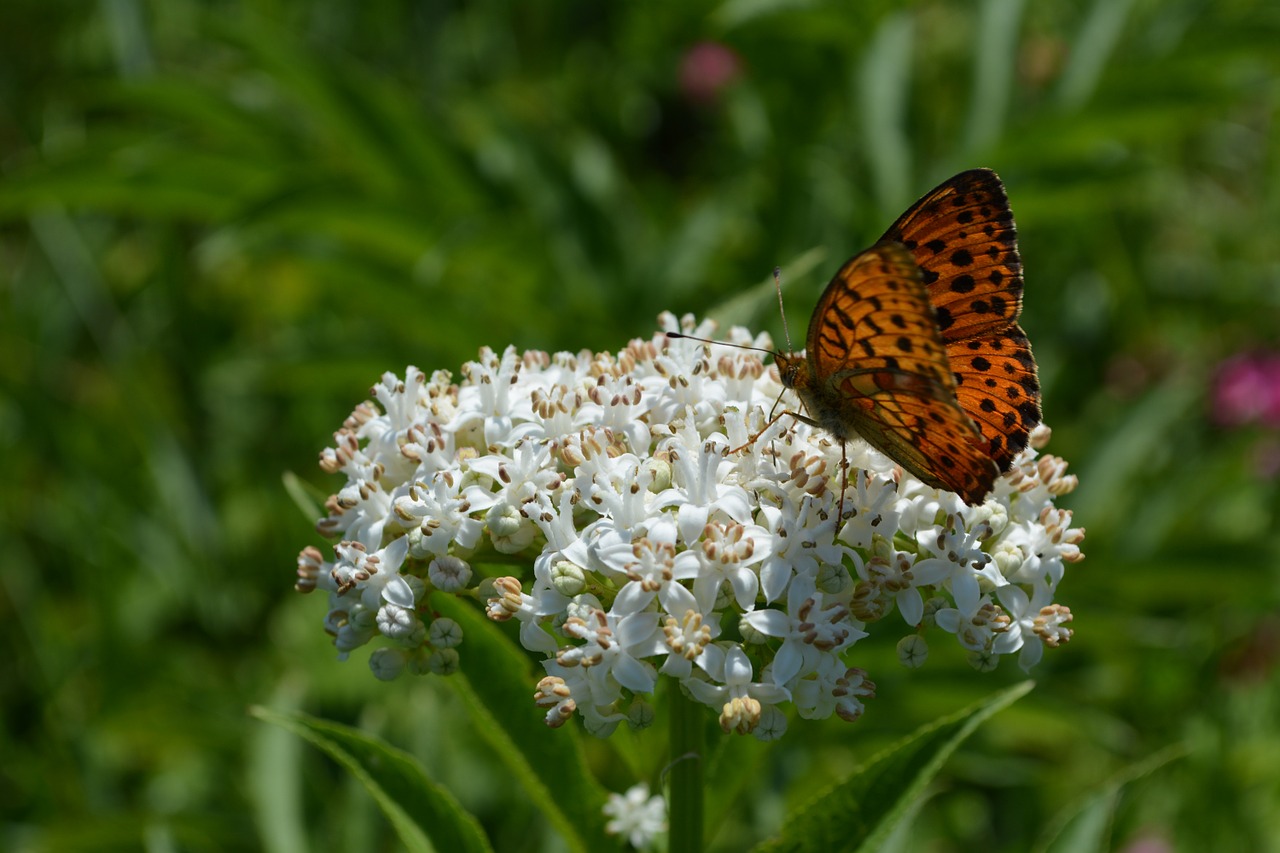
point(661, 533)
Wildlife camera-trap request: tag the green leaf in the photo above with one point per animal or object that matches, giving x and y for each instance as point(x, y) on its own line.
point(861, 812)
point(884, 94)
point(1086, 825)
point(995, 63)
point(1097, 41)
point(549, 764)
point(424, 815)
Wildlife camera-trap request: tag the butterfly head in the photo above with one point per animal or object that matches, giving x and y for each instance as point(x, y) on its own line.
point(793, 370)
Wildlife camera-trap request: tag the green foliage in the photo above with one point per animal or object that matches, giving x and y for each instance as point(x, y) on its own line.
point(221, 222)
point(424, 815)
point(864, 809)
point(552, 771)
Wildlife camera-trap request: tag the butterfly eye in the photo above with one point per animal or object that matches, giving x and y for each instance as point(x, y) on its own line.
point(788, 370)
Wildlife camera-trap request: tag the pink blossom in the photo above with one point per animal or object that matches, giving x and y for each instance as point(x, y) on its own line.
point(1247, 390)
point(707, 69)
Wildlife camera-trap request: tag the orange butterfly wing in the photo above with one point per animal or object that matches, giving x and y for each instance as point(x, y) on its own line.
point(876, 367)
point(963, 238)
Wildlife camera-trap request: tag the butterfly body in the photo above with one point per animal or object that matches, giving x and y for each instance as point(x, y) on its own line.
point(914, 345)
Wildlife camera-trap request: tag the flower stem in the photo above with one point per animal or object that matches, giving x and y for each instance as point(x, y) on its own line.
point(684, 803)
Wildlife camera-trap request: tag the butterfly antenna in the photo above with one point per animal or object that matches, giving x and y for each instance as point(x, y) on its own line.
point(777, 281)
point(717, 343)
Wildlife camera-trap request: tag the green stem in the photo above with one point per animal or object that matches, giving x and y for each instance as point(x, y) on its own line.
point(684, 804)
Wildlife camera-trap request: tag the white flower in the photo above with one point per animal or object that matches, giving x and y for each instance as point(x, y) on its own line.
point(638, 816)
point(616, 488)
point(647, 564)
point(610, 644)
point(595, 695)
point(648, 510)
point(686, 638)
point(959, 556)
point(810, 630)
point(803, 542)
point(444, 512)
point(725, 554)
point(874, 506)
point(833, 688)
point(699, 487)
point(1033, 623)
point(894, 576)
point(975, 626)
point(740, 699)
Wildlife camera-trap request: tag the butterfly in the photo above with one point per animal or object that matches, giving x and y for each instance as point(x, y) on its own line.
point(915, 346)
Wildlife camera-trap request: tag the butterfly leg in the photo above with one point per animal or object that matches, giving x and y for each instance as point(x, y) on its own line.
point(844, 483)
point(844, 459)
point(773, 420)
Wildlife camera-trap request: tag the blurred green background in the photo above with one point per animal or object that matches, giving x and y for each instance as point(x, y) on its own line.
point(220, 222)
